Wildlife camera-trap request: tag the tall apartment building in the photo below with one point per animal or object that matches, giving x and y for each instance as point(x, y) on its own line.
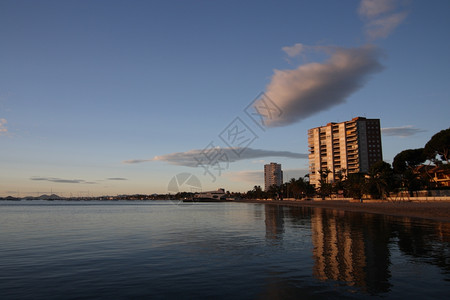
point(352, 145)
point(272, 175)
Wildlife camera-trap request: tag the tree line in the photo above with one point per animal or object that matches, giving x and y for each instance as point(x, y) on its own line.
point(409, 172)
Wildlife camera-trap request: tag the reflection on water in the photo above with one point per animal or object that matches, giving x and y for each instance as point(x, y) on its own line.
point(274, 223)
point(347, 249)
point(355, 249)
point(148, 250)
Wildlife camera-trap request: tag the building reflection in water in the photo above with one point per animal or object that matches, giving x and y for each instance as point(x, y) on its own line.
point(354, 248)
point(274, 223)
point(348, 249)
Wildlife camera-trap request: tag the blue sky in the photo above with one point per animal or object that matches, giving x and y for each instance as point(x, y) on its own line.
point(118, 97)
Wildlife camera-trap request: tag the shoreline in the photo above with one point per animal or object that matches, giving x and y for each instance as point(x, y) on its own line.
point(436, 211)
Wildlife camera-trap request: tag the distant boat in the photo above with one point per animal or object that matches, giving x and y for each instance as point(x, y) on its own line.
point(211, 196)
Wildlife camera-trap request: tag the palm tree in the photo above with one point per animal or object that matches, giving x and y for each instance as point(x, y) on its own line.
point(291, 187)
point(354, 185)
point(381, 179)
point(325, 188)
point(340, 179)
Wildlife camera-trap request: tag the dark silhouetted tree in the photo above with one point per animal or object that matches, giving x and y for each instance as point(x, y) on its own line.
point(438, 147)
point(408, 159)
point(405, 164)
point(354, 185)
point(381, 180)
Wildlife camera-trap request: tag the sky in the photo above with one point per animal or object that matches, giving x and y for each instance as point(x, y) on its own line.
point(121, 97)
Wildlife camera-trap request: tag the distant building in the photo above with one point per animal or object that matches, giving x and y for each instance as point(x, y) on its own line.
point(272, 175)
point(353, 146)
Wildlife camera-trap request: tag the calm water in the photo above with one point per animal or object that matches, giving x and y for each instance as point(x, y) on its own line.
point(116, 250)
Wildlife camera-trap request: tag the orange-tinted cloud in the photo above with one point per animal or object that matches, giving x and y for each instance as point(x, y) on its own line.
point(315, 87)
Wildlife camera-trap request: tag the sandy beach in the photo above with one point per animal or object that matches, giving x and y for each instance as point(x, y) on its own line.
point(436, 210)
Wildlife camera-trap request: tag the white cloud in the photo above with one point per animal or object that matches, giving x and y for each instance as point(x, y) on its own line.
point(402, 131)
point(293, 51)
point(373, 8)
point(382, 27)
point(381, 16)
point(227, 155)
point(299, 49)
point(314, 87)
point(3, 128)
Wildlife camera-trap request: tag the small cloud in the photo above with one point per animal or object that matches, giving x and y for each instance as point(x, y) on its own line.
point(295, 50)
point(3, 128)
point(136, 161)
point(382, 27)
point(381, 16)
point(403, 131)
point(116, 178)
point(373, 8)
point(61, 180)
point(299, 49)
point(259, 161)
point(193, 157)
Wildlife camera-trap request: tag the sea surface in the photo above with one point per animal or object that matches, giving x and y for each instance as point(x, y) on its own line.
point(168, 250)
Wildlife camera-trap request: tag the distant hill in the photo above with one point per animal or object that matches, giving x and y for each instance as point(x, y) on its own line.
point(49, 197)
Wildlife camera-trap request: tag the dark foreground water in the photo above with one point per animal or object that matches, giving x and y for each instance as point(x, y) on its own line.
point(135, 250)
